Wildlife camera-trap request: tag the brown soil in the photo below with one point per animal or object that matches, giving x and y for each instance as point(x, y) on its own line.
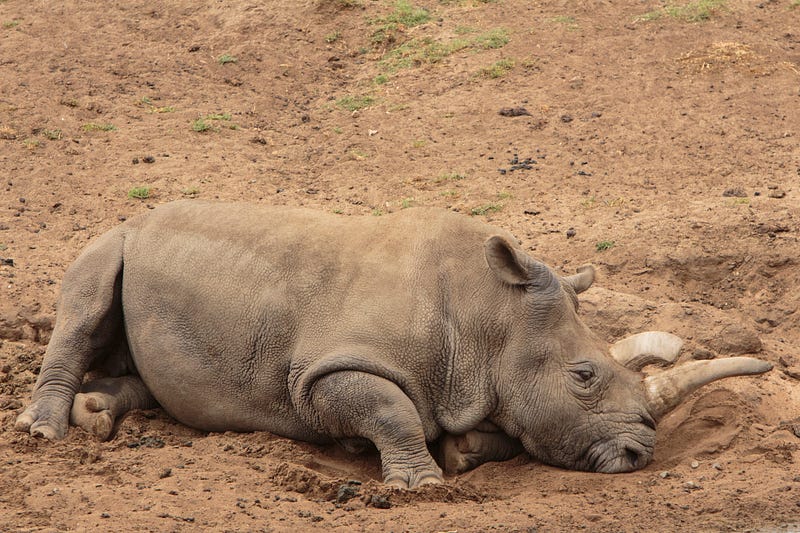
point(675, 140)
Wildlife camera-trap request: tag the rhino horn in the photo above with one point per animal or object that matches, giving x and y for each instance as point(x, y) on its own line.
point(647, 348)
point(666, 390)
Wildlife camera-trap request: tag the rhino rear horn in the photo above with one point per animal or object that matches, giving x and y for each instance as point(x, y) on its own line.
point(647, 348)
point(668, 389)
point(582, 280)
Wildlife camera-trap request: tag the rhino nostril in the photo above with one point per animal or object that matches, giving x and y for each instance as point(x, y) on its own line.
point(633, 457)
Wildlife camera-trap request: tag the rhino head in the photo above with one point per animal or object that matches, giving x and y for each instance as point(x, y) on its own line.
point(570, 399)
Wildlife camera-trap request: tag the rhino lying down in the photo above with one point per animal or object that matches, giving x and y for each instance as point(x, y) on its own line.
point(399, 330)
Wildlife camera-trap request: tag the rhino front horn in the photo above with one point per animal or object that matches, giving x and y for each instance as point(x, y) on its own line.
point(666, 390)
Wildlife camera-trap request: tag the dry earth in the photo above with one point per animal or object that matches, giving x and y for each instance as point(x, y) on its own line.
point(663, 147)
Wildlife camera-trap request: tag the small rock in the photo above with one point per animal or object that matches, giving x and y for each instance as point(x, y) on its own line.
point(792, 372)
point(514, 112)
point(735, 192)
point(566, 119)
point(105, 515)
point(702, 354)
point(380, 502)
point(165, 473)
point(736, 339)
point(664, 474)
point(695, 464)
point(148, 159)
point(716, 466)
point(777, 193)
point(346, 492)
point(571, 233)
point(691, 485)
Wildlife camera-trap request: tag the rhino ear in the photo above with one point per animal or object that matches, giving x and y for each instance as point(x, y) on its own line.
point(505, 262)
point(582, 280)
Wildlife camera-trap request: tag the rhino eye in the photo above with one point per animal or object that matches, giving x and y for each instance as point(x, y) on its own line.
point(583, 375)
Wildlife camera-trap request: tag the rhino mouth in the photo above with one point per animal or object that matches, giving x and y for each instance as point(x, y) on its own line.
point(617, 455)
point(632, 450)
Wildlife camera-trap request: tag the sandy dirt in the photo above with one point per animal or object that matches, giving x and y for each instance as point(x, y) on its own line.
point(660, 144)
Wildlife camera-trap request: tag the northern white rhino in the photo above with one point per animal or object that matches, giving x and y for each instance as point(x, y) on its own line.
point(398, 330)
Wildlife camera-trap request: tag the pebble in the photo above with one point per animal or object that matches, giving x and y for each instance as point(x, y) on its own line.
point(513, 112)
point(664, 474)
point(571, 233)
point(777, 193)
point(380, 502)
point(716, 466)
point(695, 464)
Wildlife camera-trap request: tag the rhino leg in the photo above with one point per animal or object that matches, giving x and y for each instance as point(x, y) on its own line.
point(102, 401)
point(460, 453)
point(88, 327)
point(356, 404)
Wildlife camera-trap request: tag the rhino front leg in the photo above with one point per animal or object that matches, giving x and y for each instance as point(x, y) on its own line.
point(460, 453)
point(356, 404)
point(102, 401)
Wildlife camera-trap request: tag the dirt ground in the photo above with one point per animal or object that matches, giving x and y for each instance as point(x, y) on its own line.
point(658, 142)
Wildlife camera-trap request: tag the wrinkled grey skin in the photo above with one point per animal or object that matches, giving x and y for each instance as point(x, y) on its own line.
point(397, 330)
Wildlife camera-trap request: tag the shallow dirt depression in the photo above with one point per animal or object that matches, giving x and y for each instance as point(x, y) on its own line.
point(658, 143)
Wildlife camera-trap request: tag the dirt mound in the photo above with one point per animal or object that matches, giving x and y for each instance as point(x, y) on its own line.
point(658, 142)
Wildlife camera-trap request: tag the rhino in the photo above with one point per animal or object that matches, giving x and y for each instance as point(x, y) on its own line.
point(423, 326)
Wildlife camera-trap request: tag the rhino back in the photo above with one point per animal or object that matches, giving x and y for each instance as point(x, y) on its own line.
point(223, 301)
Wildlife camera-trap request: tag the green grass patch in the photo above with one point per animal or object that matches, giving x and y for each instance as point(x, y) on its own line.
point(567, 21)
point(696, 11)
point(354, 103)
point(485, 209)
point(422, 51)
point(604, 245)
point(224, 59)
point(333, 37)
point(139, 193)
point(205, 123)
point(498, 69)
point(380, 79)
point(10, 24)
point(427, 51)
point(93, 126)
point(450, 176)
point(403, 16)
point(492, 39)
point(53, 135)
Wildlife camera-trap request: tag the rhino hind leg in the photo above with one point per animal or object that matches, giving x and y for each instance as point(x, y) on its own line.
point(351, 404)
point(103, 401)
point(88, 329)
point(461, 453)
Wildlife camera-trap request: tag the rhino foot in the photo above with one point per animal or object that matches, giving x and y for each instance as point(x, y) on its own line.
point(102, 401)
point(411, 479)
point(460, 453)
point(45, 418)
point(92, 412)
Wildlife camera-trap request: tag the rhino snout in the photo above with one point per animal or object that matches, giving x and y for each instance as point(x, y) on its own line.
point(614, 458)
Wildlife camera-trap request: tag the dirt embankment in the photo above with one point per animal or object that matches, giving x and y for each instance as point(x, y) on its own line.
point(659, 143)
